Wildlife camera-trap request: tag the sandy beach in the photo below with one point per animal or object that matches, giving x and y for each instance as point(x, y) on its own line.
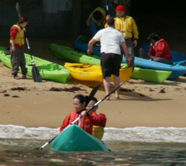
point(30, 104)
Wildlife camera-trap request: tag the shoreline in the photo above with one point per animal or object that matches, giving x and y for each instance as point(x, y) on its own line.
point(141, 103)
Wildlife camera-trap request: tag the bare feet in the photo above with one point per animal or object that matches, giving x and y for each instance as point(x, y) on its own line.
point(117, 97)
point(108, 98)
point(130, 81)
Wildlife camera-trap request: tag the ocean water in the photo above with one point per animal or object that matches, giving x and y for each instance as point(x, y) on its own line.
point(138, 146)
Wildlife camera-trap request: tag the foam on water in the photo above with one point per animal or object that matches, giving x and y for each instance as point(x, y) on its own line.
point(138, 134)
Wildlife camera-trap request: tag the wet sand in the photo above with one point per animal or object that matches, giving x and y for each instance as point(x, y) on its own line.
point(141, 103)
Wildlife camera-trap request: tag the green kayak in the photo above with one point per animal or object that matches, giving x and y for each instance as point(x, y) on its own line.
point(73, 138)
point(71, 55)
point(48, 70)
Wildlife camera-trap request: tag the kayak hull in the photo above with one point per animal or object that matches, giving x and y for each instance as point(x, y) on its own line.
point(73, 138)
point(48, 70)
point(86, 72)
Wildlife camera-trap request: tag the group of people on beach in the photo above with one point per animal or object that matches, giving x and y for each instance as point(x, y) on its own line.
point(119, 37)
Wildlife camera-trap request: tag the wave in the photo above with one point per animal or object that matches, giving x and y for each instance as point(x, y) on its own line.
point(137, 134)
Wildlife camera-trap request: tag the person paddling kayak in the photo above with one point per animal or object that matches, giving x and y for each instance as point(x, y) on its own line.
point(97, 131)
point(87, 121)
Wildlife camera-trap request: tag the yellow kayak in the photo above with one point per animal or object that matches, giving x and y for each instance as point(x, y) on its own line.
point(86, 72)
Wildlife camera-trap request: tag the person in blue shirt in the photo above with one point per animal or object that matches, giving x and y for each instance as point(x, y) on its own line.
point(97, 18)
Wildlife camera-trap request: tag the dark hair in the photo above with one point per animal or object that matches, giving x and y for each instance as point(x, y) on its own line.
point(81, 98)
point(97, 15)
point(22, 20)
point(153, 36)
point(111, 21)
point(94, 99)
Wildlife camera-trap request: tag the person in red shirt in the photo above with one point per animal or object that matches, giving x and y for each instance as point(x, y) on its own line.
point(87, 121)
point(97, 131)
point(17, 41)
point(159, 50)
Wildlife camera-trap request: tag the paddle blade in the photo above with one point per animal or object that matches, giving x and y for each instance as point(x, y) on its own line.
point(18, 10)
point(92, 93)
point(35, 74)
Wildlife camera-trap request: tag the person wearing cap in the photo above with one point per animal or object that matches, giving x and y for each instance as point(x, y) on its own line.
point(159, 50)
point(97, 18)
point(17, 41)
point(111, 43)
point(128, 28)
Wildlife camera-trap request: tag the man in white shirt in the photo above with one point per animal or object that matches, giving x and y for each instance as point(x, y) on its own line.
point(111, 43)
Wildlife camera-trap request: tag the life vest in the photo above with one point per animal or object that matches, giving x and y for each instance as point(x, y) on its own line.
point(19, 39)
point(98, 131)
point(127, 26)
point(84, 122)
point(101, 22)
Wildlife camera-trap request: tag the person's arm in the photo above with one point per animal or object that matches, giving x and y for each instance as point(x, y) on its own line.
point(135, 32)
point(64, 124)
point(126, 51)
point(90, 45)
point(160, 50)
point(98, 120)
point(13, 33)
point(152, 51)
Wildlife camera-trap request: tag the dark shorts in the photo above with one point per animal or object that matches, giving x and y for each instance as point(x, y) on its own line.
point(110, 64)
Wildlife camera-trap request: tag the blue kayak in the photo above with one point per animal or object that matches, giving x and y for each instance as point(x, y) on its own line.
point(178, 68)
point(73, 138)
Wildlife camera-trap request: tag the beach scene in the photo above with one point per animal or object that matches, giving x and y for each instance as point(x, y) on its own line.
point(145, 126)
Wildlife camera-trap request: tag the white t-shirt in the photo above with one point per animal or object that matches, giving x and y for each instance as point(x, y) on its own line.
point(110, 39)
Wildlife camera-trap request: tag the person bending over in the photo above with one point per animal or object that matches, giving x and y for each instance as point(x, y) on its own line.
point(159, 50)
point(97, 131)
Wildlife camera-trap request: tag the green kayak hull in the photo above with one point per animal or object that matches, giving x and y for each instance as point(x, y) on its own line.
point(73, 138)
point(71, 55)
point(48, 70)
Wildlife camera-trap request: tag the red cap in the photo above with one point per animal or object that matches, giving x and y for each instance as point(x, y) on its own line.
point(120, 8)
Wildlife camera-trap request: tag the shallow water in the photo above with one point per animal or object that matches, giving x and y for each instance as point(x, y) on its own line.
point(139, 146)
point(22, 152)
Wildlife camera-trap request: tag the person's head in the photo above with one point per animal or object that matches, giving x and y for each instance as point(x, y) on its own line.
point(79, 103)
point(110, 22)
point(97, 15)
point(120, 11)
point(91, 104)
point(23, 21)
point(153, 37)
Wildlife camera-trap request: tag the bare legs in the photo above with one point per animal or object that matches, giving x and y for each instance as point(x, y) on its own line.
point(116, 84)
point(106, 83)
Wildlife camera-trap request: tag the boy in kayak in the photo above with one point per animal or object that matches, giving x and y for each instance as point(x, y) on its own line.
point(97, 131)
point(159, 50)
point(96, 19)
point(88, 119)
point(17, 41)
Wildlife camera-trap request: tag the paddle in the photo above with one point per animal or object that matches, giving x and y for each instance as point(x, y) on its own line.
point(35, 71)
point(91, 95)
point(99, 102)
point(18, 10)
